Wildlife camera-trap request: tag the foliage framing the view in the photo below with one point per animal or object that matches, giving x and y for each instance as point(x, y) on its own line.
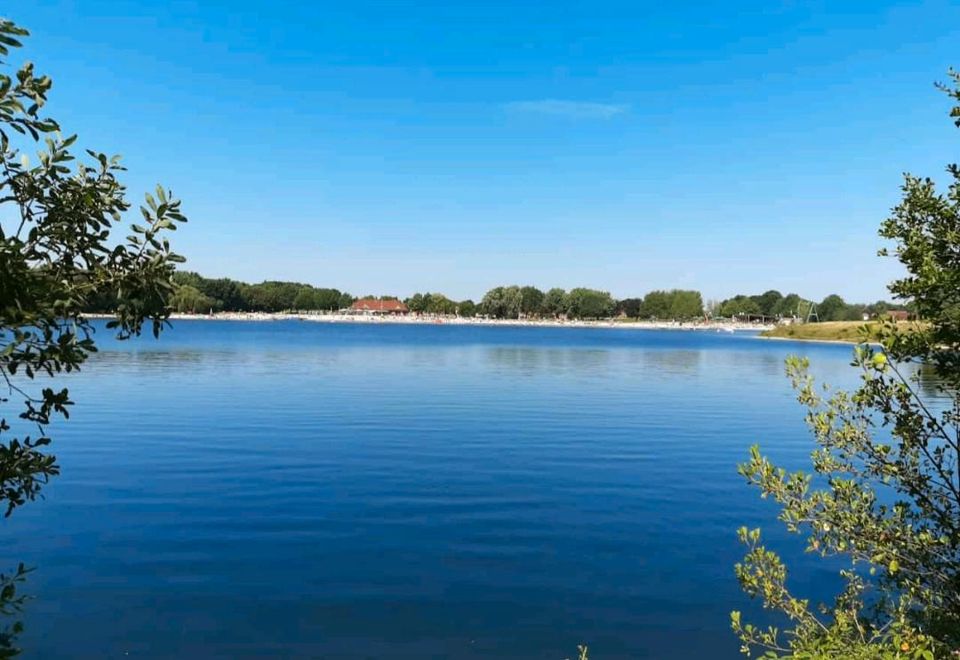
point(56, 258)
point(886, 496)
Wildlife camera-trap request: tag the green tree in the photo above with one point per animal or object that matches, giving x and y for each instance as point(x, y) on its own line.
point(739, 306)
point(502, 302)
point(555, 303)
point(832, 308)
point(656, 305)
point(492, 302)
point(629, 307)
point(310, 298)
point(416, 303)
point(437, 303)
point(306, 299)
point(590, 304)
point(512, 302)
point(58, 254)
point(188, 278)
point(768, 301)
point(190, 299)
point(853, 312)
point(531, 300)
point(878, 308)
point(926, 227)
point(886, 492)
point(271, 296)
point(789, 306)
point(225, 291)
point(685, 305)
point(328, 299)
point(467, 308)
point(345, 301)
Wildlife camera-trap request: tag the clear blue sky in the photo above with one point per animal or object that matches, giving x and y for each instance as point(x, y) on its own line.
point(389, 147)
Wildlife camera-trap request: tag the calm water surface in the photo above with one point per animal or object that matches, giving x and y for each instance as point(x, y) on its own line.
point(291, 489)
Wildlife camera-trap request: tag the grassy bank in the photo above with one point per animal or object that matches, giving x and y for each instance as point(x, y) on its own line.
point(850, 331)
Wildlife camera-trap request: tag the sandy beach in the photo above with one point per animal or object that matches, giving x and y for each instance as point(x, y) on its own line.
point(413, 319)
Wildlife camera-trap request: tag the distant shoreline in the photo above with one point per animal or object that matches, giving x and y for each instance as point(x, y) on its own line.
point(840, 332)
point(842, 342)
point(411, 319)
point(723, 326)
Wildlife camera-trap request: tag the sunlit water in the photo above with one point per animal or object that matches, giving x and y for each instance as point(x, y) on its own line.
point(293, 489)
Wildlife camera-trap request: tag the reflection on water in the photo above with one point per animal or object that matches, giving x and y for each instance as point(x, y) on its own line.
point(184, 358)
point(531, 360)
point(670, 362)
point(933, 385)
point(772, 365)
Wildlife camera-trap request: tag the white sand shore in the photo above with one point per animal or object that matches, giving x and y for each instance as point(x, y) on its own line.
point(719, 326)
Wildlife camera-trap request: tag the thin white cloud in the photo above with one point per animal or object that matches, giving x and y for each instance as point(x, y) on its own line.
point(573, 109)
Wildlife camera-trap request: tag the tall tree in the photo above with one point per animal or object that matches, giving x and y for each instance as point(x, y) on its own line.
point(416, 303)
point(327, 299)
point(555, 303)
point(492, 303)
point(531, 300)
point(739, 305)
point(656, 305)
point(832, 308)
point(790, 306)
point(225, 291)
point(590, 304)
point(503, 302)
point(306, 299)
point(629, 307)
point(190, 299)
point(345, 301)
point(685, 305)
point(467, 308)
point(272, 296)
point(767, 301)
point(57, 255)
point(437, 303)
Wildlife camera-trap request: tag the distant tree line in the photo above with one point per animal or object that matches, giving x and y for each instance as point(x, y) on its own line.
point(437, 303)
point(675, 305)
point(513, 302)
point(202, 295)
point(773, 304)
point(198, 294)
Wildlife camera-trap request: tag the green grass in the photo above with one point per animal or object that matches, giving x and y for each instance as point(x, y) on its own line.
point(851, 331)
point(848, 331)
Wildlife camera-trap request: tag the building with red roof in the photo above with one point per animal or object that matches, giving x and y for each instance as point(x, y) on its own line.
point(898, 315)
point(374, 306)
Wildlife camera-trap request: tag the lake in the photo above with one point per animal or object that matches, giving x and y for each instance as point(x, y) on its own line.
point(293, 489)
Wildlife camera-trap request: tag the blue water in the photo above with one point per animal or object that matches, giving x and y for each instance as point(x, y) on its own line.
point(291, 489)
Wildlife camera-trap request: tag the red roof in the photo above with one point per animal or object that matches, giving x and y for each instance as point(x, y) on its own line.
point(373, 305)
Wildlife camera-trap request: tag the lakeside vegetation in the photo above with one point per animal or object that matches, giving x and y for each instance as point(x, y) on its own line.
point(853, 332)
point(845, 331)
point(883, 499)
point(59, 255)
point(197, 294)
point(772, 304)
